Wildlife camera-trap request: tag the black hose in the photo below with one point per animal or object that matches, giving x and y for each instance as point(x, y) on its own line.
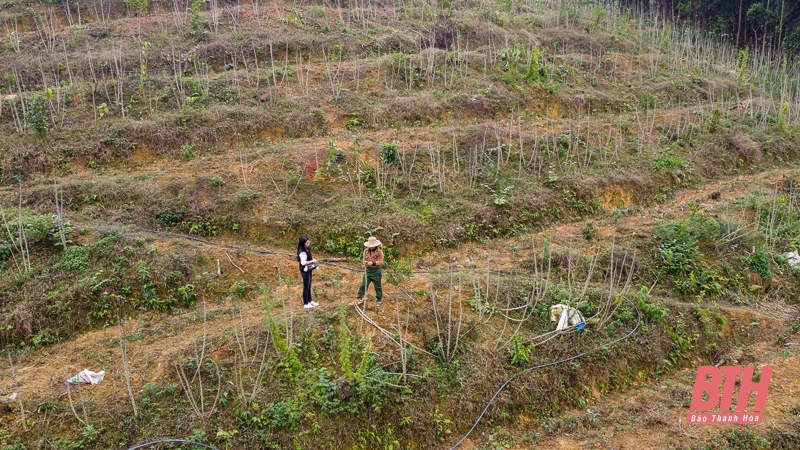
point(638, 319)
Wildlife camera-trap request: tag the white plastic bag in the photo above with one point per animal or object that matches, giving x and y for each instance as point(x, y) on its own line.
point(793, 258)
point(86, 376)
point(565, 316)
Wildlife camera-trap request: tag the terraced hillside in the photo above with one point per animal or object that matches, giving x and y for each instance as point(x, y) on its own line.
point(160, 161)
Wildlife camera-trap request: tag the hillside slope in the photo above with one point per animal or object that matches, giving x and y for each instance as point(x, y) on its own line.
point(159, 163)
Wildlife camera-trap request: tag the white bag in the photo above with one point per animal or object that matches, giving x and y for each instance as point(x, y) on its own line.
point(86, 376)
point(793, 258)
point(565, 316)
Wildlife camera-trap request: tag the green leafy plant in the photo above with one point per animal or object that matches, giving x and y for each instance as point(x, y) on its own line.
point(716, 120)
point(578, 204)
point(390, 153)
point(187, 293)
point(588, 231)
point(499, 197)
point(679, 253)
point(239, 288)
point(759, 261)
point(75, 258)
point(112, 139)
point(197, 22)
point(654, 313)
point(202, 227)
point(37, 229)
point(745, 439)
point(520, 354)
point(335, 153)
point(137, 6)
point(668, 160)
point(681, 347)
point(188, 151)
point(784, 114)
point(102, 109)
point(741, 63)
point(442, 425)
point(345, 349)
point(290, 363)
point(226, 437)
point(36, 116)
point(169, 216)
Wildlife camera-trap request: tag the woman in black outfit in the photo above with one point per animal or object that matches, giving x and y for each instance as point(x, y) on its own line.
point(307, 265)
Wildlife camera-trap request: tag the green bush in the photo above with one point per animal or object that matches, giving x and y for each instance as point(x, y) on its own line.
point(520, 354)
point(38, 230)
point(389, 153)
point(5, 251)
point(76, 259)
point(701, 281)
point(513, 62)
point(668, 160)
point(223, 91)
point(588, 231)
point(353, 124)
point(401, 66)
point(654, 313)
point(680, 251)
point(169, 216)
point(189, 152)
point(112, 139)
point(679, 241)
point(677, 255)
point(398, 272)
point(36, 116)
point(746, 440)
point(201, 226)
point(239, 288)
point(760, 263)
point(329, 395)
point(282, 414)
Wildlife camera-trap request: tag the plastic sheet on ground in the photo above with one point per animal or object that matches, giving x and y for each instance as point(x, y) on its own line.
point(86, 376)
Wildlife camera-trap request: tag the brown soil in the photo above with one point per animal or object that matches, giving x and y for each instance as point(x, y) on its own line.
point(616, 196)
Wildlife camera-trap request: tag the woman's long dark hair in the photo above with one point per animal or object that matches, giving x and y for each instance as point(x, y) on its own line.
point(301, 247)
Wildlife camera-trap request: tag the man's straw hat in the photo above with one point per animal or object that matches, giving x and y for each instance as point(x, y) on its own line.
point(372, 242)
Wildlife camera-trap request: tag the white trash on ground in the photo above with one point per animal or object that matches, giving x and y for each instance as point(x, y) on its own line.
point(793, 258)
point(566, 316)
point(86, 376)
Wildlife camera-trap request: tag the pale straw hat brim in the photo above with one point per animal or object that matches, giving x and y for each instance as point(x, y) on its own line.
point(372, 242)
